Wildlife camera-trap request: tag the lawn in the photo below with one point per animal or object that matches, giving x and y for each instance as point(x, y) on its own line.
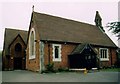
point(111, 69)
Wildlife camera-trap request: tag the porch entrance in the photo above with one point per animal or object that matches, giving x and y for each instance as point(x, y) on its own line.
point(83, 56)
point(18, 62)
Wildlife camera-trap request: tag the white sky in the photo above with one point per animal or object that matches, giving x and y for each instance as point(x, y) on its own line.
point(17, 14)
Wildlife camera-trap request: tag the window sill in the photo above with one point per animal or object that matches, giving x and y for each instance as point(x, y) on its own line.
point(104, 59)
point(32, 57)
point(57, 60)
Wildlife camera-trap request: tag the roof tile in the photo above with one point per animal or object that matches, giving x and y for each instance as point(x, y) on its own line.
point(59, 29)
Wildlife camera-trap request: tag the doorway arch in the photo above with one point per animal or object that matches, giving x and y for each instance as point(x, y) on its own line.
point(18, 56)
point(18, 47)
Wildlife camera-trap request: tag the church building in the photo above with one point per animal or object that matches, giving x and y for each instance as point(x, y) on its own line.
point(13, 55)
point(66, 43)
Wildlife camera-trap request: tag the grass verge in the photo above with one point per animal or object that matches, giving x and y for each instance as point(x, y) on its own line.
point(111, 69)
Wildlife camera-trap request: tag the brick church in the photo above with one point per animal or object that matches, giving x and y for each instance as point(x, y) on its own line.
point(66, 43)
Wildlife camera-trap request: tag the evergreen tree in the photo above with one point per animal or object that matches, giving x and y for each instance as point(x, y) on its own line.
point(114, 27)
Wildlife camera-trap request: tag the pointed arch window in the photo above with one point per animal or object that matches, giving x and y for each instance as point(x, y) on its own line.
point(32, 44)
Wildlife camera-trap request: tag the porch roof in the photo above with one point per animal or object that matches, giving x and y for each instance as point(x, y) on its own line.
point(80, 48)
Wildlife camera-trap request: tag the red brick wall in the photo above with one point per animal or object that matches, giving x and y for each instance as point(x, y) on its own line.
point(12, 53)
point(65, 51)
point(5, 61)
point(112, 58)
point(33, 64)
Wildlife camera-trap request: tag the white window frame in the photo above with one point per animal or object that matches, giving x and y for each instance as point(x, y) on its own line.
point(104, 59)
point(30, 53)
point(59, 53)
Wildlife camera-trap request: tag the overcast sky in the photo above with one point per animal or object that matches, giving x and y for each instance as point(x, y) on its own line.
point(17, 14)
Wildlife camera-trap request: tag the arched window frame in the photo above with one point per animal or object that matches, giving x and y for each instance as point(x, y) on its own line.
point(32, 54)
point(59, 52)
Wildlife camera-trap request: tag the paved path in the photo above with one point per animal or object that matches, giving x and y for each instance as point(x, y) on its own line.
point(28, 76)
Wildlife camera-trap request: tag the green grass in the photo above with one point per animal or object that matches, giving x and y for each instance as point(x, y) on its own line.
point(111, 70)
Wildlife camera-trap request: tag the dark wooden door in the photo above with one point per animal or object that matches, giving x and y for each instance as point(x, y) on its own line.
point(82, 61)
point(90, 61)
point(17, 63)
point(18, 56)
point(85, 58)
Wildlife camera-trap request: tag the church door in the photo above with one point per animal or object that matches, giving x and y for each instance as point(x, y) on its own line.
point(18, 56)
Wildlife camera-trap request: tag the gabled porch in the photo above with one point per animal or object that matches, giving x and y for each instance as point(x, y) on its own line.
point(83, 56)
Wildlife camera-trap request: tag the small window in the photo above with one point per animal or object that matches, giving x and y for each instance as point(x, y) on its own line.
point(56, 52)
point(104, 54)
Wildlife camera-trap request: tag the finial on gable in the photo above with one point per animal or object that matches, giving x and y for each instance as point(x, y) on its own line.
point(33, 8)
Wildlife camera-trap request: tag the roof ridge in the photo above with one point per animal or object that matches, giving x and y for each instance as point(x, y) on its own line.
point(16, 29)
point(69, 19)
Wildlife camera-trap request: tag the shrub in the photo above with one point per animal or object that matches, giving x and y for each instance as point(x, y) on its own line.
point(50, 67)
